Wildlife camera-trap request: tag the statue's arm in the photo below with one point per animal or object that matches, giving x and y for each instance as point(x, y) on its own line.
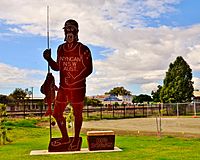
point(53, 64)
point(87, 60)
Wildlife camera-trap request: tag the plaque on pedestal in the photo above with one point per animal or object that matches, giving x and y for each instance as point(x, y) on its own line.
point(101, 140)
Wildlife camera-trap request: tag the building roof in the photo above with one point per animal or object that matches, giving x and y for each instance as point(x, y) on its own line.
point(112, 98)
point(98, 96)
point(196, 93)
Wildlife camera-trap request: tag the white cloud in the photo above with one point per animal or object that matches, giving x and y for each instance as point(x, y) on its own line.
point(193, 56)
point(144, 56)
point(16, 30)
point(13, 77)
point(93, 16)
point(149, 87)
point(138, 54)
point(196, 81)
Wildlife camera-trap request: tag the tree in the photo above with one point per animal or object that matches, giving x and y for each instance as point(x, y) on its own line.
point(92, 102)
point(3, 99)
point(18, 95)
point(119, 91)
point(156, 94)
point(177, 85)
point(142, 98)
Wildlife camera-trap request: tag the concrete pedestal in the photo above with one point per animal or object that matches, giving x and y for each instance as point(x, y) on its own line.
point(63, 147)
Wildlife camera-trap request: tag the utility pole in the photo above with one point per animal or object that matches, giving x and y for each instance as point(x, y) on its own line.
point(32, 97)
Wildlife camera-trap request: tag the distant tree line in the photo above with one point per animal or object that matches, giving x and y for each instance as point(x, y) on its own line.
point(14, 98)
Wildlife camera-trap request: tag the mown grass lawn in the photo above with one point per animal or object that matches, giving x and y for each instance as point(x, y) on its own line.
point(29, 138)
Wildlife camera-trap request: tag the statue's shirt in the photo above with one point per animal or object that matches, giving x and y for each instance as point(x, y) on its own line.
point(71, 64)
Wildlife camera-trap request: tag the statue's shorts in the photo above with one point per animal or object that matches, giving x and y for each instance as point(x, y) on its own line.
point(74, 96)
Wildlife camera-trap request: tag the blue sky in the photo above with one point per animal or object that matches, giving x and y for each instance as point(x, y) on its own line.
point(132, 42)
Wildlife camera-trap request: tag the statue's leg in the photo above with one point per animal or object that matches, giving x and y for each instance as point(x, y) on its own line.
point(78, 120)
point(77, 101)
point(60, 105)
point(62, 126)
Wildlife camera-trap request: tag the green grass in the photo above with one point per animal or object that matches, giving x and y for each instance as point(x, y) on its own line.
point(30, 138)
point(22, 123)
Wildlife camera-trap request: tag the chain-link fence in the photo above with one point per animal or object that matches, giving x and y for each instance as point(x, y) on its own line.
point(114, 111)
point(142, 110)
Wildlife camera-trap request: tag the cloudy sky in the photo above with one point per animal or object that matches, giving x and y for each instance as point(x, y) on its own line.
point(132, 41)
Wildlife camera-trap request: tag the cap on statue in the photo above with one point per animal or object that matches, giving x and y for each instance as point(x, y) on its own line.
point(72, 23)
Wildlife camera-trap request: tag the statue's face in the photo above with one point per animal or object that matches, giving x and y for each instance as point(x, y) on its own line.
point(70, 34)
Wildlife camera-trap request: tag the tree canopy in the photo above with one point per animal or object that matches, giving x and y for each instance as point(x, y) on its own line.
point(3, 99)
point(18, 94)
point(92, 102)
point(142, 98)
point(177, 85)
point(156, 94)
point(119, 91)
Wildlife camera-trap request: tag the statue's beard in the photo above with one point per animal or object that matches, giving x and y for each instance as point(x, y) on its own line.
point(70, 37)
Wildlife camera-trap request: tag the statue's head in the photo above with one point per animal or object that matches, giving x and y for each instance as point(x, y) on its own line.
point(71, 31)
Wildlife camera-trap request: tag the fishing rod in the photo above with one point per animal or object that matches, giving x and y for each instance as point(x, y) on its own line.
point(48, 47)
point(48, 40)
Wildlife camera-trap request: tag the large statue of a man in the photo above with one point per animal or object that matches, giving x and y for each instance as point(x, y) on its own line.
point(74, 62)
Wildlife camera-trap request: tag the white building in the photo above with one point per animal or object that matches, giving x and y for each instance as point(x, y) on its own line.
point(126, 99)
point(111, 99)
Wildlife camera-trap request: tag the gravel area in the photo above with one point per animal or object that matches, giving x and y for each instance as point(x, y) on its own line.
point(175, 126)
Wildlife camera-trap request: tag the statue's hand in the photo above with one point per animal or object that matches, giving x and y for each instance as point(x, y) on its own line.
point(47, 54)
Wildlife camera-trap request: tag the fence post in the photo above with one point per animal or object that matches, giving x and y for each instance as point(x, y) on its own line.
point(152, 108)
point(101, 112)
point(87, 111)
point(41, 109)
point(177, 111)
point(195, 111)
point(124, 111)
point(167, 109)
point(113, 111)
point(143, 109)
point(161, 113)
point(159, 110)
point(148, 109)
point(24, 109)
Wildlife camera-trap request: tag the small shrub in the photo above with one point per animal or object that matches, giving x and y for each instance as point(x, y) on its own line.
point(3, 129)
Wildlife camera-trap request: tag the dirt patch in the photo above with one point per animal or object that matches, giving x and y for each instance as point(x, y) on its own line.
point(184, 127)
point(181, 127)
